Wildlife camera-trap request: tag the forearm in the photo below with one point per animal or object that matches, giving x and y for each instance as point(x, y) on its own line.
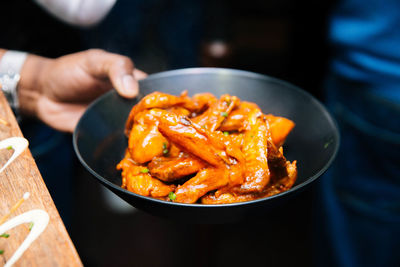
point(30, 84)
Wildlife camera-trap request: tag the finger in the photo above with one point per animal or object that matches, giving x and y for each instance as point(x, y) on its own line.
point(121, 76)
point(139, 75)
point(117, 68)
point(60, 116)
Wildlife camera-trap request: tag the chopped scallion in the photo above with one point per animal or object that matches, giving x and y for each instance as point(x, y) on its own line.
point(226, 133)
point(172, 196)
point(5, 235)
point(224, 114)
point(145, 170)
point(165, 148)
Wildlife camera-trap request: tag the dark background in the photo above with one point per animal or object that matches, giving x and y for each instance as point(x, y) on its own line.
point(280, 38)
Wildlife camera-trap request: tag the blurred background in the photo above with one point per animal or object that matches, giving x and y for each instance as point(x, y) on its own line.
point(281, 38)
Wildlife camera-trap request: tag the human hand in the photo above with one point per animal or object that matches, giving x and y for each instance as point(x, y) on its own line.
point(58, 91)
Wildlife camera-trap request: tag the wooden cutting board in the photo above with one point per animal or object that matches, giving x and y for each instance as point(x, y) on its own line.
point(54, 246)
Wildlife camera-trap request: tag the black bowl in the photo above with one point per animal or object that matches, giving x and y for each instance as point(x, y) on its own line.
point(99, 139)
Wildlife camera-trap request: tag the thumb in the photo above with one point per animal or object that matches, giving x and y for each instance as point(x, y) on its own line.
point(121, 76)
point(117, 68)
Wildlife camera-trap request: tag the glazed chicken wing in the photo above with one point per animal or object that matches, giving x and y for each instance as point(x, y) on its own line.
point(280, 128)
point(212, 118)
point(182, 133)
point(279, 186)
point(136, 178)
point(145, 141)
point(236, 119)
point(255, 149)
point(206, 180)
point(158, 100)
point(169, 169)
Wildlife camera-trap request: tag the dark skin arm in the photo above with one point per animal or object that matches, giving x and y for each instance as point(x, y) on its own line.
point(57, 91)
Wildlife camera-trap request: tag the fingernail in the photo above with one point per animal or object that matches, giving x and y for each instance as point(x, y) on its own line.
point(130, 85)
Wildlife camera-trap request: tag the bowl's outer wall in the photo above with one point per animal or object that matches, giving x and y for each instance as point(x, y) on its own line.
point(100, 142)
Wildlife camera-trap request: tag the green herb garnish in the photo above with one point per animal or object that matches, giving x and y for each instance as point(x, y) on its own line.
point(145, 170)
point(172, 196)
point(1, 252)
point(9, 147)
point(224, 114)
point(226, 133)
point(30, 225)
point(5, 235)
point(165, 148)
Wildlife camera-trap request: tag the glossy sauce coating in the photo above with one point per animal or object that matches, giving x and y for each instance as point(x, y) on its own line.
point(202, 149)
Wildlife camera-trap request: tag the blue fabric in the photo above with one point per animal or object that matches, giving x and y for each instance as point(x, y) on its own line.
point(365, 35)
point(358, 217)
point(359, 197)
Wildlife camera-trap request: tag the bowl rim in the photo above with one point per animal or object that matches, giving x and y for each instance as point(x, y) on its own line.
point(208, 70)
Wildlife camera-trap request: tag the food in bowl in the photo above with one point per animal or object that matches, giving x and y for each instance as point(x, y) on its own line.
point(202, 149)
